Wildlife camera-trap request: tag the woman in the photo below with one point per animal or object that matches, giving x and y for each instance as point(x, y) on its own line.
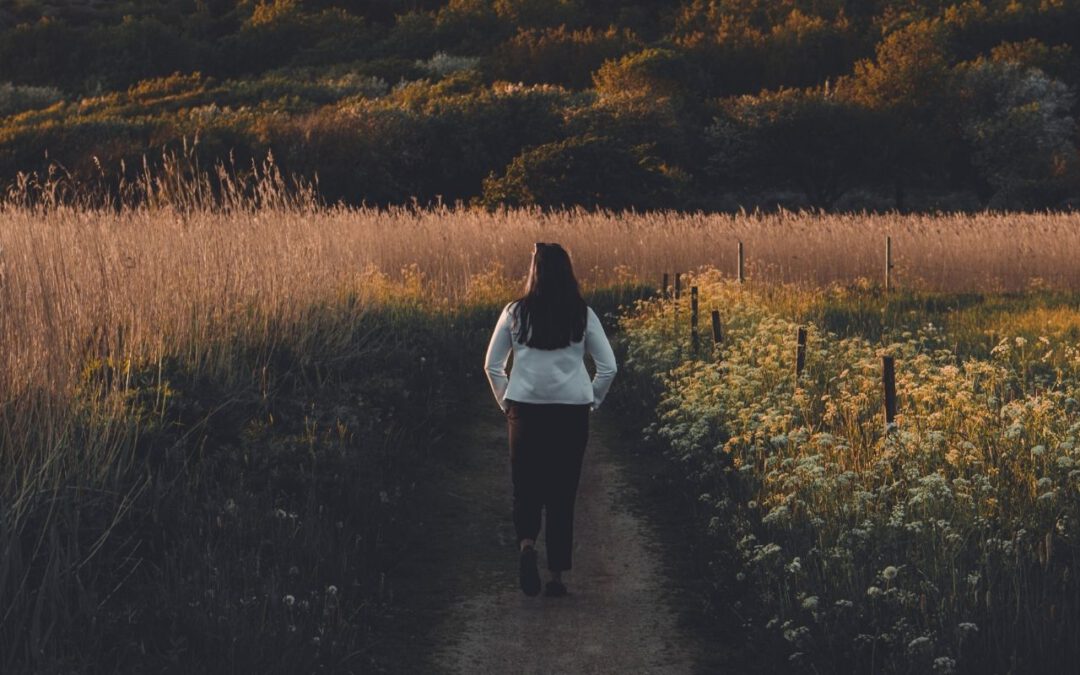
point(547, 398)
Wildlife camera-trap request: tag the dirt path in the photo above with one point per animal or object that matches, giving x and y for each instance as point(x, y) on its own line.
point(617, 618)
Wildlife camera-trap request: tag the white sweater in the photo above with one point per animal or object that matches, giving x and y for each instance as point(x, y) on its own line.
point(549, 375)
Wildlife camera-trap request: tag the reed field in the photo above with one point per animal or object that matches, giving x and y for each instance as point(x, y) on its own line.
point(218, 406)
point(160, 272)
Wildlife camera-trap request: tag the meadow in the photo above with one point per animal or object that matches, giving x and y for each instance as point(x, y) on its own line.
point(942, 542)
point(211, 416)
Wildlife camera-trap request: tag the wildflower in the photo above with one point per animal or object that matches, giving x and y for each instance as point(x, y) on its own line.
point(289, 600)
point(331, 590)
point(777, 514)
point(766, 551)
point(280, 514)
point(944, 665)
point(967, 627)
point(920, 644)
point(796, 635)
point(889, 573)
point(810, 602)
point(873, 592)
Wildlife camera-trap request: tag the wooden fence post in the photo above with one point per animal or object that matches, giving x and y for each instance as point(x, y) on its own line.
point(888, 263)
point(888, 378)
point(678, 285)
point(663, 289)
point(800, 352)
point(693, 316)
point(742, 265)
point(717, 337)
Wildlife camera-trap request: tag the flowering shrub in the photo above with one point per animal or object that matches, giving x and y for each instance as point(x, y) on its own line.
point(17, 98)
point(948, 542)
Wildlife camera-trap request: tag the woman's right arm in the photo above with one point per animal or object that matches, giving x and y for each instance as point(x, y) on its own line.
point(597, 345)
point(498, 352)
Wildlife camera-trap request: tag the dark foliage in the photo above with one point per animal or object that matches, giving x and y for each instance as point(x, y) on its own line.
point(332, 86)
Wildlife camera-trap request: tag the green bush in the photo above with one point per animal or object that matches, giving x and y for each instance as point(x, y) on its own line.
point(558, 55)
point(16, 99)
point(650, 73)
point(590, 171)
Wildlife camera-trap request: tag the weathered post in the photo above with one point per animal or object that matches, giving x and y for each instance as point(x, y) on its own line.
point(888, 263)
point(742, 265)
point(717, 337)
point(693, 316)
point(888, 378)
point(678, 285)
point(800, 352)
point(663, 289)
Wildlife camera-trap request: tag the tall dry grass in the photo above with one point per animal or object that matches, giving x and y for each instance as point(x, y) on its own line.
point(140, 279)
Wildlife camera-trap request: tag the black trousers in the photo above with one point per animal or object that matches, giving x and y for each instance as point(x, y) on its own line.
point(547, 445)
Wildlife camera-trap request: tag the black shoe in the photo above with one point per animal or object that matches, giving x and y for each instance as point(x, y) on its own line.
point(528, 575)
point(555, 589)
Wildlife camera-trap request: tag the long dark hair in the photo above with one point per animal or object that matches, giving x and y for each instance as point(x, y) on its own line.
point(552, 306)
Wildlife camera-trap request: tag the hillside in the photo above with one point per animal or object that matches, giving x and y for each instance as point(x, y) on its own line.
point(712, 105)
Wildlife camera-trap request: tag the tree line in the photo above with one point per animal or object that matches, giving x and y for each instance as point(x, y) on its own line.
point(704, 104)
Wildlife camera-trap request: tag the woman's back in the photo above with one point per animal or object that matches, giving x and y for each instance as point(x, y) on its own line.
point(548, 375)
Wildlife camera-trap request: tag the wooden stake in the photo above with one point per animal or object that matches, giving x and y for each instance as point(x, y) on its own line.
point(888, 379)
point(693, 316)
point(888, 263)
point(663, 289)
point(800, 352)
point(678, 285)
point(742, 266)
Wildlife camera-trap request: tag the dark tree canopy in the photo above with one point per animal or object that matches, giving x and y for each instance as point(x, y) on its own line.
point(724, 102)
